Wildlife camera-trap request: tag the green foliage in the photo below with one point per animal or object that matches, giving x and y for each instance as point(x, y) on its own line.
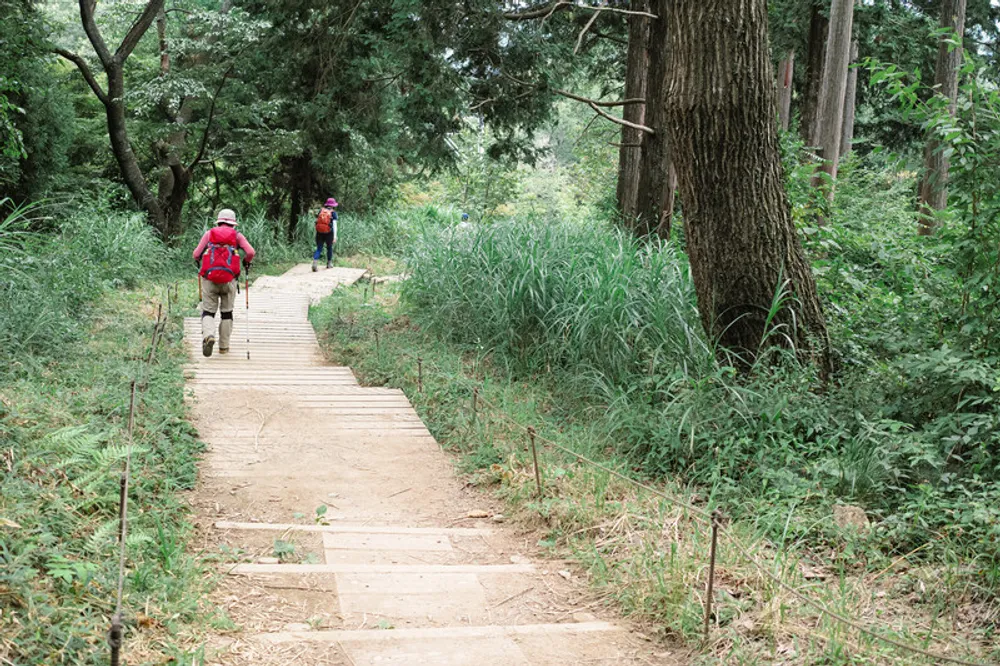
point(35, 116)
point(62, 259)
point(63, 410)
point(570, 294)
point(615, 325)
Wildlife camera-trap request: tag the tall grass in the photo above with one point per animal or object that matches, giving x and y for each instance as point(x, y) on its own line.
point(561, 294)
point(50, 277)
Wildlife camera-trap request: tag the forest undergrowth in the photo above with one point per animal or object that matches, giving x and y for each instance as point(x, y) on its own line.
point(876, 490)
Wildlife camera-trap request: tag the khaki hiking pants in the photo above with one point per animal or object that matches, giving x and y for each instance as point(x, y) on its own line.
point(217, 297)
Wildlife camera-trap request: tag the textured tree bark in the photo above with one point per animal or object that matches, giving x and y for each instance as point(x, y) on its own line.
point(934, 182)
point(850, 101)
point(814, 73)
point(785, 70)
point(741, 240)
point(656, 183)
point(128, 164)
point(830, 117)
point(629, 155)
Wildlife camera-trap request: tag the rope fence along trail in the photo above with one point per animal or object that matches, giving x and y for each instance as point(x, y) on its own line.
point(714, 519)
point(136, 386)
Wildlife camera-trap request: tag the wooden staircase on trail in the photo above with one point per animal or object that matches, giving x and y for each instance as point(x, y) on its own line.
point(346, 533)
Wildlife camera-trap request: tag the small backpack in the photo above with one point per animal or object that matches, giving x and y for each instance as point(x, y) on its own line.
point(323, 225)
point(220, 262)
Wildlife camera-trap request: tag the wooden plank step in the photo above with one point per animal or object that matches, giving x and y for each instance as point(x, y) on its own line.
point(353, 529)
point(424, 569)
point(434, 633)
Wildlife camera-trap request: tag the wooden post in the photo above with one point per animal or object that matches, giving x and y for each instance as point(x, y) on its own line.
point(716, 517)
point(534, 457)
point(420, 375)
point(115, 639)
point(475, 404)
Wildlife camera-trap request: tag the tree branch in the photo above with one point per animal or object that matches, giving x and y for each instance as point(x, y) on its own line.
point(608, 116)
point(579, 40)
point(587, 100)
point(137, 30)
point(602, 35)
point(545, 11)
point(93, 33)
point(211, 115)
point(85, 70)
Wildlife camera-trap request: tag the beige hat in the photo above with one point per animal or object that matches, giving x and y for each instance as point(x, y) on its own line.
point(226, 216)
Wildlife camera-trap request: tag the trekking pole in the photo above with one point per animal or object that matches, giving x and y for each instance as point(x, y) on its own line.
point(248, 311)
point(199, 291)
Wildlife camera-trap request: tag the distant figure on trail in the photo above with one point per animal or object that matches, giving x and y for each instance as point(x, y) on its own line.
point(326, 232)
point(218, 260)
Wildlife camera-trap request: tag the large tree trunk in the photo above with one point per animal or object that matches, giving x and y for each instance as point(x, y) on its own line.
point(830, 118)
point(934, 182)
point(814, 73)
point(850, 101)
point(741, 240)
point(635, 88)
point(657, 181)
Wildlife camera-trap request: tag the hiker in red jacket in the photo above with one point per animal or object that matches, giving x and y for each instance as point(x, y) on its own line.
point(326, 232)
point(218, 259)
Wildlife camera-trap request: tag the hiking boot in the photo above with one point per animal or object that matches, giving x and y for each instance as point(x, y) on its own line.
point(315, 261)
point(329, 264)
point(223, 351)
point(207, 344)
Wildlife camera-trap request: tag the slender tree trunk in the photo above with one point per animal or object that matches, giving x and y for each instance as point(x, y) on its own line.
point(785, 70)
point(629, 155)
point(850, 101)
point(128, 164)
point(741, 240)
point(934, 182)
point(301, 191)
point(113, 99)
point(656, 184)
point(830, 119)
point(814, 73)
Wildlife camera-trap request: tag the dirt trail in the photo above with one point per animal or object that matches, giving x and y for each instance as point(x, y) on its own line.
point(394, 572)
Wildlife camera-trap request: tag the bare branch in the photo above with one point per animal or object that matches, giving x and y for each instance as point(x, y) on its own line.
point(608, 116)
point(93, 33)
point(138, 29)
point(541, 12)
point(579, 40)
point(211, 115)
point(545, 11)
point(587, 100)
point(85, 70)
point(604, 35)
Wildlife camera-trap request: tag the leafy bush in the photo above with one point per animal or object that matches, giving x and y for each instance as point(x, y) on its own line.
point(613, 324)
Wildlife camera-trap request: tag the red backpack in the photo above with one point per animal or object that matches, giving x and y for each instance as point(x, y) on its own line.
point(220, 262)
point(323, 221)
